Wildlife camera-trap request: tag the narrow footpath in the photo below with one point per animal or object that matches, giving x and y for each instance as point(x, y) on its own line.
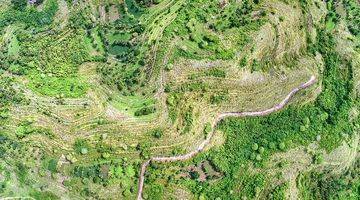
point(220, 117)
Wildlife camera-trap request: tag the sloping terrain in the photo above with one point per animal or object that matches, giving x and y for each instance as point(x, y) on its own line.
point(179, 99)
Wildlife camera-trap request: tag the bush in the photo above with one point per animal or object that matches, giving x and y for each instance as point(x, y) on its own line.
point(52, 165)
point(145, 111)
point(157, 133)
point(19, 4)
point(247, 137)
point(81, 146)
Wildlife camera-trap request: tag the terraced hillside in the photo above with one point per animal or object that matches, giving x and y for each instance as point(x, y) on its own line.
point(179, 99)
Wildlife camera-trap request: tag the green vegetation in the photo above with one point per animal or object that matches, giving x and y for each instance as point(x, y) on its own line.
point(244, 136)
point(200, 34)
point(279, 192)
point(81, 146)
point(145, 111)
point(353, 16)
point(53, 64)
point(134, 105)
point(252, 141)
point(89, 90)
point(107, 173)
point(332, 18)
point(44, 195)
point(14, 48)
point(8, 96)
point(325, 185)
point(218, 98)
point(157, 133)
point(30, 16)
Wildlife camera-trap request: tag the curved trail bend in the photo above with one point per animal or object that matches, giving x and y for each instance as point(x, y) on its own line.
point(218, 119)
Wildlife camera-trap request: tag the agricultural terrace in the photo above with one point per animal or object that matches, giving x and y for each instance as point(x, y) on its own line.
point(90, 90)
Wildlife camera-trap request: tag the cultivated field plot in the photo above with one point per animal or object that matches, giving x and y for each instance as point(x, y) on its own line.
point(179, 99)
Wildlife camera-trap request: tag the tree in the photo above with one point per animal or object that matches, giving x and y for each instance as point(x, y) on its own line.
point(207, 128)
point(282, 146)
point(194, 175)
point(19, 4)
point(157, 133)
point(255, 146)
point(129, 171)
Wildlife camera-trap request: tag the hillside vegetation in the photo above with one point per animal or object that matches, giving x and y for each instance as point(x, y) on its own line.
point(92, 89)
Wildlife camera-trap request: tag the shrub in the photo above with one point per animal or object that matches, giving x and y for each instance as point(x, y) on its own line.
point(52, 165)
point(157, 133)
point(19, 4)
point(145, 111)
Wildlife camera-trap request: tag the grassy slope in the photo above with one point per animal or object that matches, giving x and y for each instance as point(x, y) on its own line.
point(52, 127)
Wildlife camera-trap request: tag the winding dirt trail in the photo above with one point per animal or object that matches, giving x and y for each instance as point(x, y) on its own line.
point(216, 121)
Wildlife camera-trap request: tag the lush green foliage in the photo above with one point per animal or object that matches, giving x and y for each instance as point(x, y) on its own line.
point(52, 63)
point(104, 174)
point(29, 16)
point(254, 139)
point(177, 53)
point(122, 39)
point(58, 55)
point(325, 185)
point(200, 34)
point(8, 96)
point(145, 111)
point(44, 195)
point(353, 16)
point(279, 192)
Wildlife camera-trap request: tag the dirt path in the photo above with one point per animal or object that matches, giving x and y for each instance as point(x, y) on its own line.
point(218, 119)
